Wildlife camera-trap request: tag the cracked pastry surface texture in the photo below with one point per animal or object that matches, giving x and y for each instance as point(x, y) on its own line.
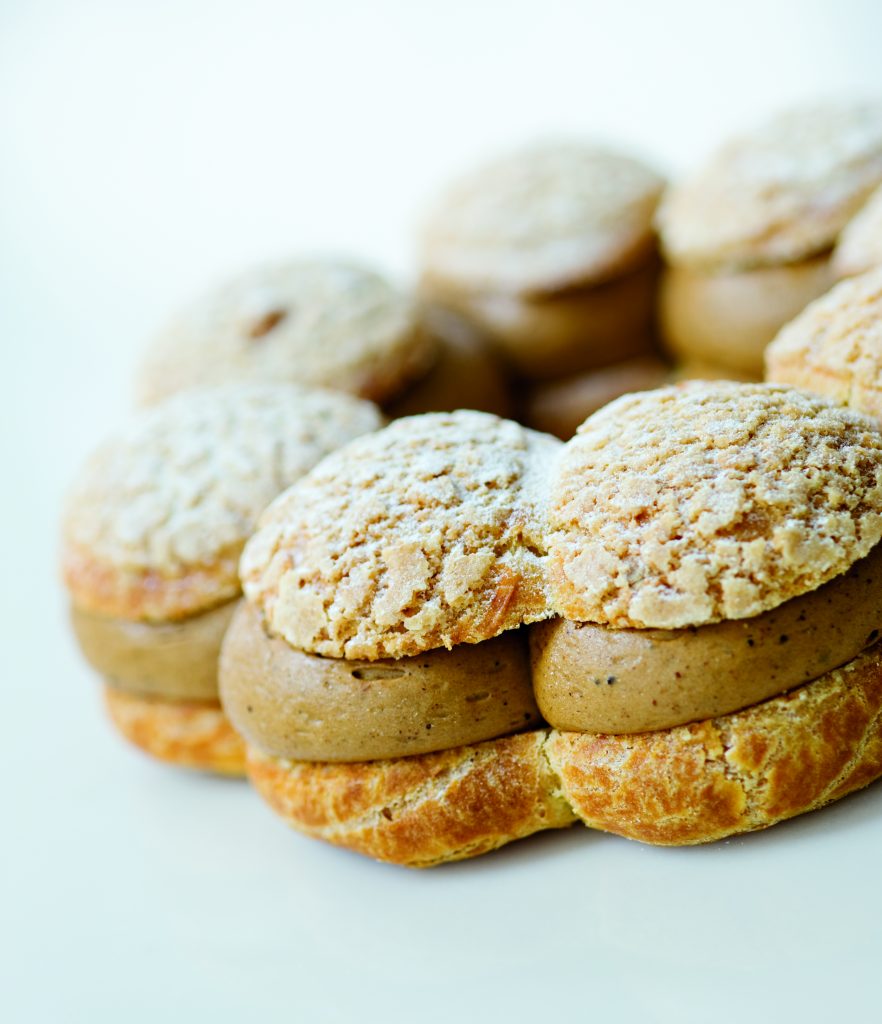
point(423, 810)
point(710, 501)
point(189, 735)
point(426, 534)
point(546, 217)
point(155, 523)
point(779, 193)
point(701, 782)
point(320, 322)
point(834, 347)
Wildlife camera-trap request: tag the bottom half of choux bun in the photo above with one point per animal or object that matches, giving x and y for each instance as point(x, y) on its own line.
point(183, 734)
point(686, 785)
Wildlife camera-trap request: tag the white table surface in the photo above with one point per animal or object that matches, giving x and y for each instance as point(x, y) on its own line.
point(147, 148)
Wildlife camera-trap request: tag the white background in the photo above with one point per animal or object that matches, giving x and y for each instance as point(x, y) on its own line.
point(146, 148)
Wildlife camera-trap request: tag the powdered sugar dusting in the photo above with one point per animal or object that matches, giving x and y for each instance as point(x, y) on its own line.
point(542, 218)
point(710, 501)
point(779, 194)
point(426, 534)
point(328, 323)
point(834, 347)
point(183, 485)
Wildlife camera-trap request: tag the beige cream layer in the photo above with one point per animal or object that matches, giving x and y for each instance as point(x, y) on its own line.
point(728, 317)
point(590, 678)
point(174, 661)
point(548, 336)
point(304, 707)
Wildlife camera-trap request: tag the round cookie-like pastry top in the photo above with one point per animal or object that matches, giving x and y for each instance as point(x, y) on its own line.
point(778, 194)
point(834, 347)
point(426, 534)
point(321, 322)
point(860, 245)
point(708, 501)
point(542, 219)
point(156, 521)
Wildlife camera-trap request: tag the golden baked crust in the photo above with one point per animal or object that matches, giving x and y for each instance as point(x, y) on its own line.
point(156, 521)
point(541, 219)
point(147, 595)
point(779, 193)
point(746, 771)
point(834, 347)
point(728, 318)
point(420, 811)
point(186, 735)
point(426, 534)
point(320, 322)
point(860, 245)
point(709, 501)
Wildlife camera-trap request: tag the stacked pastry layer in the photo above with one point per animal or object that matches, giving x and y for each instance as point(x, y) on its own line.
point(700, 569)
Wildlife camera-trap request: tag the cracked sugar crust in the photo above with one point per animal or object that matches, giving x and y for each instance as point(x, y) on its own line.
point(779, 194)
point(710, 501)
point(156, 521)
point(860, 246)
point(541, 219)
point(834, 347)
point(426, 534)
point(423, 810)
point(320, 322)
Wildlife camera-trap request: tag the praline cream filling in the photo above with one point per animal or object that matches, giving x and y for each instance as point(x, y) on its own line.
point(173, 661)
point(590, 678)
point(728, 316)
point(303, 707)
point(568, 331)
